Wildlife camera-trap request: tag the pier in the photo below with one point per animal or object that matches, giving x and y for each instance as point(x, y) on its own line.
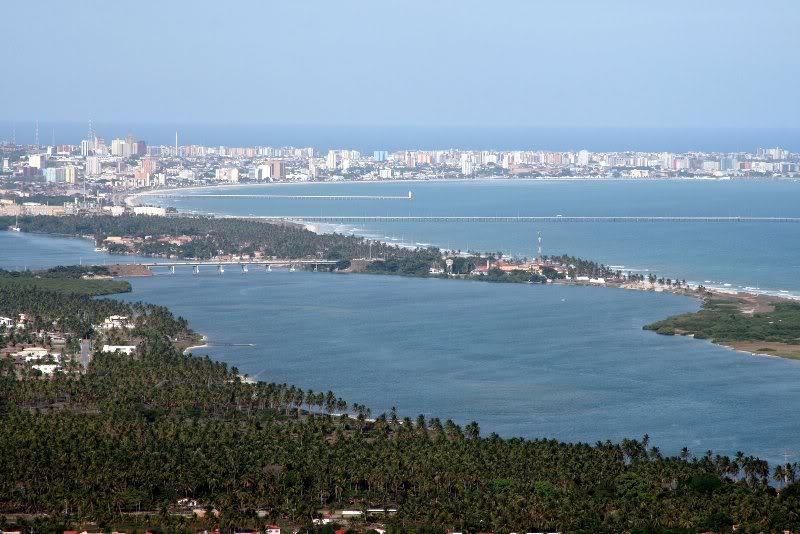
point(410, 196)
point(517, 219)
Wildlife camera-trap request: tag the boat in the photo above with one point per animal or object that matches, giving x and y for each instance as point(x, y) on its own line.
point(292, 269)
point(16, 227)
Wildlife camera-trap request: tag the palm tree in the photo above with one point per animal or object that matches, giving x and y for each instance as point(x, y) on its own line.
point(473, 430)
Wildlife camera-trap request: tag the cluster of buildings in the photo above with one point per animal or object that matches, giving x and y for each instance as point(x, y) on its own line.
point(128, 163)
point(20, 206)
point(50, 352)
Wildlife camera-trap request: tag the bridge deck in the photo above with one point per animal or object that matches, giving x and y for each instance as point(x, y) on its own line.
point(286, 197)
point(190, 263)
point(515, 218)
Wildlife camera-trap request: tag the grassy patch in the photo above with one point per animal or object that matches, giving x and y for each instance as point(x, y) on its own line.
point(722, 320)
point(47, 282)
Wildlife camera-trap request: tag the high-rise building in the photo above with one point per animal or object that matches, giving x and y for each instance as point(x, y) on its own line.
point(728, 164)
point(127, 147)
point(117, 147)
point(69, 174)
point(262, 172)
point(61, 175)
point(332, 161)
point(380, 155)
point(37, 161)
point(227, 174)
point(276, 167)
point(93, 167)
point(148, 165)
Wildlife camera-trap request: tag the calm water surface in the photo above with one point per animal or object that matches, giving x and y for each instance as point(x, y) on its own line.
point(564, 362)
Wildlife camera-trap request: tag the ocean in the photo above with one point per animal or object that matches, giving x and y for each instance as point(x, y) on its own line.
point(368, 138)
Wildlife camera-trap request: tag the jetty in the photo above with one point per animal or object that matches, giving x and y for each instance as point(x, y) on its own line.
point(517, 218)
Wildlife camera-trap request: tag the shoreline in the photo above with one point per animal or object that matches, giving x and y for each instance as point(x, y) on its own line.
point(187, 350)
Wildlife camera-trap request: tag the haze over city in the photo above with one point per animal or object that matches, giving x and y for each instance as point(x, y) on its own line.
point(576, 64)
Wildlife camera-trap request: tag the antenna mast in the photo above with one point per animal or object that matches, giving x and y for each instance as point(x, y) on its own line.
point(539, 247)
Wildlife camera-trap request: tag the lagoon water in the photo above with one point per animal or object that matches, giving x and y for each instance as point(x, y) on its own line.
point(537, 361)
point(744, 255)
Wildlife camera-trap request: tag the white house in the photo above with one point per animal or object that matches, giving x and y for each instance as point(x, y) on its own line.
point(124, 349)
point(116, 321)
point(46, 368)
point(32, 353)
point(8, 322)
point(152, 211)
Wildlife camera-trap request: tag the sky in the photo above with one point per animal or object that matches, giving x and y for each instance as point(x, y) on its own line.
point(500, 63)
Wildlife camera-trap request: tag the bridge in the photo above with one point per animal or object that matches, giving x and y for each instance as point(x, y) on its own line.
point(516, 218)
point(243, 264)
point(410, 196)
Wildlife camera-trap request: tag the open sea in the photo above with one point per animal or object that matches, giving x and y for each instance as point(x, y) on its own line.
point(571, 363)
point(368, 138)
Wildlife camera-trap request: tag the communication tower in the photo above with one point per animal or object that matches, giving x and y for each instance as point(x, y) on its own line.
point(539, 247)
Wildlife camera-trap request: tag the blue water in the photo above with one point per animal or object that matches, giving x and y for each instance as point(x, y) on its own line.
point(369, 138)
point(21, 251)
point(744, 255)
point(537, 361)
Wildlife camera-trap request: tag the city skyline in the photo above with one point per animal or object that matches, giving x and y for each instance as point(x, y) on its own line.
point(617, 65)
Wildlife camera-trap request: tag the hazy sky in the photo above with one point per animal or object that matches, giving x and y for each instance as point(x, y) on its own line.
point(714, 63)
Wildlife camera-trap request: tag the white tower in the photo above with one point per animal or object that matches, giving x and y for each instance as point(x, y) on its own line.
point(539, 247)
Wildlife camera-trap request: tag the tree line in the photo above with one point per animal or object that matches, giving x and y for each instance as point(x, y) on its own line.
point(122, 443)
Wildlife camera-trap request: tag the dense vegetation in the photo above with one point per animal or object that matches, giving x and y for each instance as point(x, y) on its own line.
point(122, 443)
point(64, 280)
point(722, 320)
point(211, 236)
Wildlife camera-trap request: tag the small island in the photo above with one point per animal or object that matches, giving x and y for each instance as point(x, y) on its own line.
point(757, 324)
